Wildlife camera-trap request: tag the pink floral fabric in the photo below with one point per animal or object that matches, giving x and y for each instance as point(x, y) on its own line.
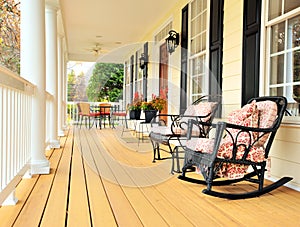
point(261, 114)
point(268, 114)
point(201, 109)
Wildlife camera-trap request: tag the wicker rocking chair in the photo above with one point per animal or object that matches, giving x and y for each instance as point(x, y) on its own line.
point(243, 142)
point(168, 128)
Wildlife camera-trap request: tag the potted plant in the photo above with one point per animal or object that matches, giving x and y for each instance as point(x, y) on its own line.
point(135, 106)
point(151, 107)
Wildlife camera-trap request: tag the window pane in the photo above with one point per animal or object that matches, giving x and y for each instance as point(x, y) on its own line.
point(293, 66)
point(294, 32)
point(193, 7)
point(296, 66)
point(296, 93)
point(276, 91)
point(274, 8)
point(197, 85)
point(277, 69)
point(290, 5)
point(278, 37)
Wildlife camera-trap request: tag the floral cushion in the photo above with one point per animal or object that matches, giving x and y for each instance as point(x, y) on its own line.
point(204, 109)
point(268, 115)
point(165, 130)
point(201, 109)
point(247, 116)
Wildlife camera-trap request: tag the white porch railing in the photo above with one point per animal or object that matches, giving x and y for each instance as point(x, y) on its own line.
point(15, 130)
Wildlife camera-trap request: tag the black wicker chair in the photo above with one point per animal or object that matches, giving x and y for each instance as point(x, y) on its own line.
point(165, 128)
point(225, 159)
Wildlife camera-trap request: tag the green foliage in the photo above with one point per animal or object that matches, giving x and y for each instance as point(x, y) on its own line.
point(10, 34)
point(76, 87)
point(106, 82)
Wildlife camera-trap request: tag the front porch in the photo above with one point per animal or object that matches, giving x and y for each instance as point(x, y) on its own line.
point(97, 180)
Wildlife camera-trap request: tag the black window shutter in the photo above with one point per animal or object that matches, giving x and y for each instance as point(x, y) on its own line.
point(251, 50)
point(184, 59)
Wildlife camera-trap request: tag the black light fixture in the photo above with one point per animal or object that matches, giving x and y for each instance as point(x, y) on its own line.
point(172, 41)
point(142, 61)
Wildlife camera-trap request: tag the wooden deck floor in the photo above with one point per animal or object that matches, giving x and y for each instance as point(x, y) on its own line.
point(96, 180)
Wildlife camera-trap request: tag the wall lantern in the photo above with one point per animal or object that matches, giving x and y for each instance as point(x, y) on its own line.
point(142, 61)
point(172, 41)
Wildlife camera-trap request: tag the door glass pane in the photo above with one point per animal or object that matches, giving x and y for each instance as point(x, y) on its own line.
point(278, 37)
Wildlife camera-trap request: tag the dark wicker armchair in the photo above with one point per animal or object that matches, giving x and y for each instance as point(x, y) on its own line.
point(242, 142)
point(168, 128)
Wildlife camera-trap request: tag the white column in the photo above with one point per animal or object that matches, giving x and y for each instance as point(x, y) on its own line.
point(33, 68)
point(52, 71)
point(65, 94)
point(60, 106)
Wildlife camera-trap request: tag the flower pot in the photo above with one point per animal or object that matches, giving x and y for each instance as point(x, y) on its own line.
point(149, 114)
point(135, 114)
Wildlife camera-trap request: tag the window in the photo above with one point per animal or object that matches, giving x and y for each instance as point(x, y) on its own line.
point(127, 82)
point(198, 49)
point(283, 28)
point(139, 79)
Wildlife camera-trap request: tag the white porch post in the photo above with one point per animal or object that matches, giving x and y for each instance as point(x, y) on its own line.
point(33, 68)
point(65, 88)
point(52, 71)
point(60, 86)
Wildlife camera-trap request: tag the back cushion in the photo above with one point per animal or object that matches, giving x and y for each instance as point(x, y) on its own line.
point(246, 116)
point(205, 109)
point(201, 109)
point(267, 116)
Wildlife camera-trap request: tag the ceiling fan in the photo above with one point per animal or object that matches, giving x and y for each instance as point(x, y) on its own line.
point(96, 50)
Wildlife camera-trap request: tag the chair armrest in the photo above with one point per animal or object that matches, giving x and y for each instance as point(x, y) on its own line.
point(201, 126)
point(157, 120)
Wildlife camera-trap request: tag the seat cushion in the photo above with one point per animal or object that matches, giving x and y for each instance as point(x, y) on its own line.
point(246, 116)
point(119, 114)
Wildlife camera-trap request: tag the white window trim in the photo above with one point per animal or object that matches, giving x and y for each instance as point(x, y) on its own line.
point(205, 52)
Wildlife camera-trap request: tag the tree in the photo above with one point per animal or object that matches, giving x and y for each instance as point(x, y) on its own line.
point(106, 82)
point(80, 88)
point(71, 86)
point(10, 34)
point(76, 87)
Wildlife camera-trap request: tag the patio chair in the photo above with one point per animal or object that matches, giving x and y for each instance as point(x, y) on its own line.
point(117, 113)
point(104, 113)
point(84, 111)
point(173, 130)
point(245, 141)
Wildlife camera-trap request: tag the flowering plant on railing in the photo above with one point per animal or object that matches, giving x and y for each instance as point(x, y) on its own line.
point(136, 102)
point(157, 103)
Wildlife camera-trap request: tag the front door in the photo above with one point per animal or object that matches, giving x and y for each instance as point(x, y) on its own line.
point(163, 74)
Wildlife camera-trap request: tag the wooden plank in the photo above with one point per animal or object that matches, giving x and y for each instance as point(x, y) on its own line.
point(143, 205)
point(8, 214)
point(116, 196)
point(78, 207)
point(101, 211)
point(121, 153)
point(57, 202)
point(38, 198)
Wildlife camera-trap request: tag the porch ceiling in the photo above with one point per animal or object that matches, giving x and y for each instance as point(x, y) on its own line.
point(116, 25)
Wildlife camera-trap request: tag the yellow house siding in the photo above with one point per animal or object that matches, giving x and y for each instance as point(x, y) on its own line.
point(232, 54)
point(285, 154)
